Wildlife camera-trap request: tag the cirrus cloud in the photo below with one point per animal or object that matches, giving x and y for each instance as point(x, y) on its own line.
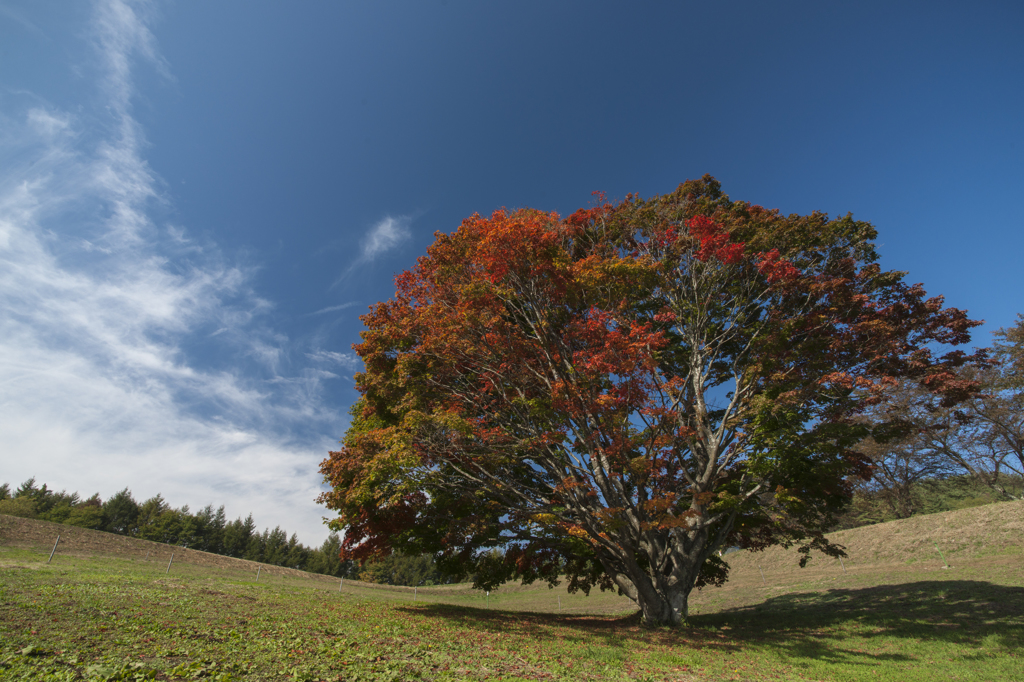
point(387, 234)
point(104, 310)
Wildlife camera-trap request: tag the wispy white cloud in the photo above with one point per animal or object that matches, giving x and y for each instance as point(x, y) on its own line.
point(346, 360)
point(389, 233)
point(101, 311)
point(48, 125)
point(384, 236)
point(334, 308)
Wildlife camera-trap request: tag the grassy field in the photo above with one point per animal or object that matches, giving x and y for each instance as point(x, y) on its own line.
point(891, 611)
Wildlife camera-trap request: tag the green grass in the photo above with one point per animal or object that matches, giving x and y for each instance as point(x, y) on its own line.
point(120, 619)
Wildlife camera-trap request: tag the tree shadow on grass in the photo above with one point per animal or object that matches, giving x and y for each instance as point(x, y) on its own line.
point(964, 613)
point(802, 625)
point(609, 630)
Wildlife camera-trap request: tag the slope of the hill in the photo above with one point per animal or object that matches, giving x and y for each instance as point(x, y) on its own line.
point(976, 542)
point(101, 610)
point(962, 535)
point(75, 541)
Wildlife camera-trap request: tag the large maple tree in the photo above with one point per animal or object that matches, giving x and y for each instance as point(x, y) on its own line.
point(614, 397)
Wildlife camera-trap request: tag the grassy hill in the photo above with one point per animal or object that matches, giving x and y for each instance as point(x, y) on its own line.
point(108, 608)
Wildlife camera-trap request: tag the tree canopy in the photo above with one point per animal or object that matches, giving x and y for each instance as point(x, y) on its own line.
point(616, 396)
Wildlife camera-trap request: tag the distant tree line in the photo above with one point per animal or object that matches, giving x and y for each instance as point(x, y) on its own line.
point(207, 529)
point(941, 457)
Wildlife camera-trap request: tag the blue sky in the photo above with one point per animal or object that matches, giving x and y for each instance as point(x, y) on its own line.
point(198, 200)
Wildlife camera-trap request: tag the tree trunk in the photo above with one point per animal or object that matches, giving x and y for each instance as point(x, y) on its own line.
point(658, 609)
point(661, 587)
point(662, 602)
